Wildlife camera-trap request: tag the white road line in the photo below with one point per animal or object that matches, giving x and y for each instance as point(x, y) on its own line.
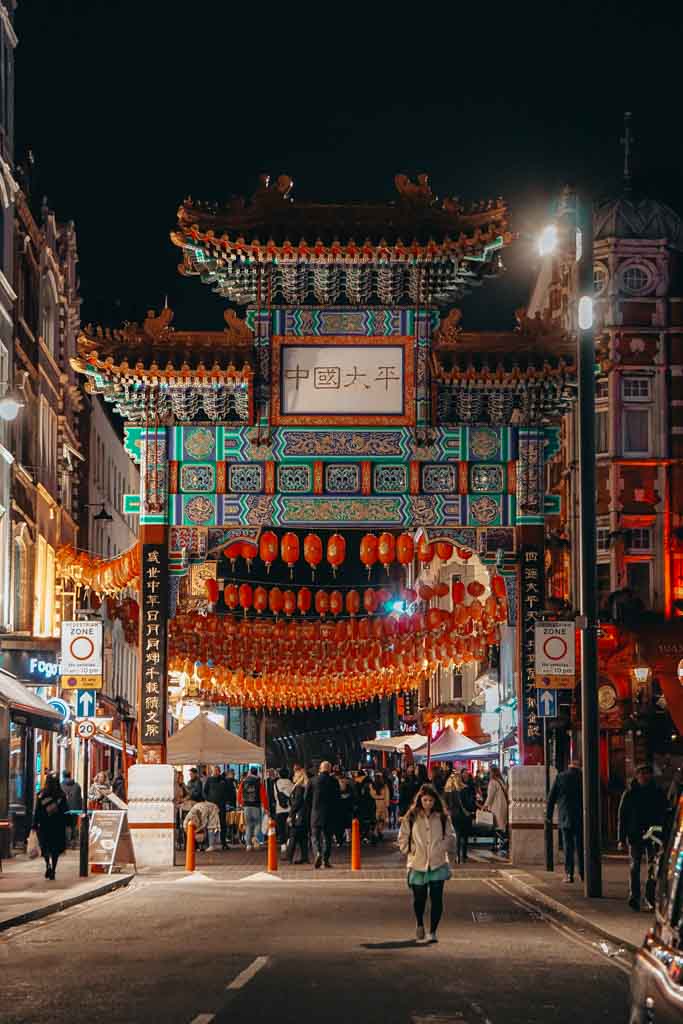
point(204, 1018)
point(245, 976)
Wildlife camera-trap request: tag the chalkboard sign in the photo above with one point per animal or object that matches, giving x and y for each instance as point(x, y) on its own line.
point(104, 836)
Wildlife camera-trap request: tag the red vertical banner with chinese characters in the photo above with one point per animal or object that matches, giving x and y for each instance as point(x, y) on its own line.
point(153, 621)
point(531, 603)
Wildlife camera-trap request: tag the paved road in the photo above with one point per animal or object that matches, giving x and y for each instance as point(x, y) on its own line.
point(321, 947)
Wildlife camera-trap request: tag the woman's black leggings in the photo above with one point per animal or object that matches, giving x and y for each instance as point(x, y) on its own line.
point(435, 890)
point(51, 860)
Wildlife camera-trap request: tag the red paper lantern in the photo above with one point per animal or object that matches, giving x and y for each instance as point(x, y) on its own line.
point(246, 596)
point(289, 551)
point(231, 596)
point(289, 602)
point(441, 589)
point(433, 618)
point(368, 551)
point(352, 602)
point(490, 606)
point(458, 592)
point(425, 591)
point(409, 595)
point(405, 549)
point(260, 599)
point(476, 610)
point(444, 550)
point(498, 586)
point(233, 552)
point(386, 550)
point(383, 595)
point(425, 550)
point(336, 551)
point(276, 600)
point(464, 554)
point(369, 601)
point(212, 590)
point(248, 552)
point(336, 603)
point(475, 588)
point(268, 548)
point(313, 551)
point(322, 603)
point(303, 600)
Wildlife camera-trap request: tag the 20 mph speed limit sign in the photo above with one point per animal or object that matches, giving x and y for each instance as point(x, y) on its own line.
point(555, 661)
point(86, 729)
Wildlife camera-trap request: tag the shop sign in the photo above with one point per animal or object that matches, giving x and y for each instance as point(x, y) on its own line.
point(107, 837)
point(81, 655)
point(153, 638)
point(531, 602)
point(31, 666)
point(555, 655)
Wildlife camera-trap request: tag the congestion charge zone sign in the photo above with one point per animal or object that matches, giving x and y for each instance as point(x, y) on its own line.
point(555, 655)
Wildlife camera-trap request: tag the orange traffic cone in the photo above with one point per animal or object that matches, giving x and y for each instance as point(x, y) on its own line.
point(272, 849)
point(190, 851)
point(355, 845)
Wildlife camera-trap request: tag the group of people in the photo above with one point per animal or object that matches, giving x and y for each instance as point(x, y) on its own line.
point(643, 805)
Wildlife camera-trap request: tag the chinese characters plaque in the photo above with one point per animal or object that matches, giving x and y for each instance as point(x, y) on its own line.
point(153, 619)
point(531, 603)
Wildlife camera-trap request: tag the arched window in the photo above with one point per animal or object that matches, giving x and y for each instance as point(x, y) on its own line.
point(22, 590)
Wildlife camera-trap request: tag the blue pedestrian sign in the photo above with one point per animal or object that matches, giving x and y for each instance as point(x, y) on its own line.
point(86, 702)
point(547, 703)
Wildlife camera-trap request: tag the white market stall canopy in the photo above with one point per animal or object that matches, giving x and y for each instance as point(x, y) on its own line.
point(395, 744)
point(204, 742)
point(450, 745)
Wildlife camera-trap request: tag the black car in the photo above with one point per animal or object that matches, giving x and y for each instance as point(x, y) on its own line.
point(657, 979)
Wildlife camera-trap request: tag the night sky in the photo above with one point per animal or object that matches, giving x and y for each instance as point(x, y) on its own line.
point(129, 107)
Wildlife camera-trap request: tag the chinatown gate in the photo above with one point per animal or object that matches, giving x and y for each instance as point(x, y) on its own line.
point(301, 469)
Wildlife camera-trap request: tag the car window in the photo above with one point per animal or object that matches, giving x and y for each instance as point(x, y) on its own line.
point(670, 888)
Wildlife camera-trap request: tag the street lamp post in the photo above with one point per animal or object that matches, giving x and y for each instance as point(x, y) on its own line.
point(588, 606)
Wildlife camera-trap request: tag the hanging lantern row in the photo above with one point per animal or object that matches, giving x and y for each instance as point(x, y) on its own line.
point(99, 575)
point(387, 549)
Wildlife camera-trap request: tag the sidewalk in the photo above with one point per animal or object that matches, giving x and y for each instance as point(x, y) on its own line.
point(26, 895)
point(611, 913)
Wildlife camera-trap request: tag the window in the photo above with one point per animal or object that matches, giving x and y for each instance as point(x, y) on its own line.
point(48, 443)
point(602, 387)
point(21, 581)
point(603, 538)
point(48, 325)
point(635, 389)
point(599, 279)
point(636, 431)
point(635, 280)
point(639, 538)
point(638, 580)
point(44, 590)
point(604, 584)
point(601, 432)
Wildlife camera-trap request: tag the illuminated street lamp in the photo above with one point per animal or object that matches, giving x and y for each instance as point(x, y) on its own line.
point(13, 401)
point(588, 607)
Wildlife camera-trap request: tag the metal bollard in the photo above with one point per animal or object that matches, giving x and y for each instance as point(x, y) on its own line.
point(190, 851)
point(355, 845)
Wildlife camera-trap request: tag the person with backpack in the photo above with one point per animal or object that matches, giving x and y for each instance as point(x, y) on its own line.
point(426, 838)
point(253, 799)
point(282, 792)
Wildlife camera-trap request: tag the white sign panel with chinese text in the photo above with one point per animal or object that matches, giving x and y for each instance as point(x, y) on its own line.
point(342, 380)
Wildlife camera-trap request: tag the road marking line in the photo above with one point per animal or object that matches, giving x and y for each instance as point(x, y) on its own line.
point(204, 1018)
point(248, 973)
point(561, 928)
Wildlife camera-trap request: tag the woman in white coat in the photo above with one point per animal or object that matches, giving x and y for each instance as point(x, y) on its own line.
point(497, 803)
point(426, 838)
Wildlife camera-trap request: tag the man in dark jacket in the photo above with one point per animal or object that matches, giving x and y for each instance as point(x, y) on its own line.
point(216, 792)
point(566, 792)
point(642, 805)
point(195, 790)
point(407, 790)
point(74, 800)
point(322, 796)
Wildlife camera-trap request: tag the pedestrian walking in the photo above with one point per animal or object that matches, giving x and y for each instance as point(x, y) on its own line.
point(566, 792)
point(426, 838)
point(297, 819)
point(49, 823)
point(381, 794)
point(407, 790)
point(253, 798)
point(195, 788)
point(497, 803)
point(455, 794)
point(642, 806)
point(282, 791)
point(344, 809)
point(216, 792)
point(364, 806)
point(74, 800)
point(322, 797)
point(394, 786)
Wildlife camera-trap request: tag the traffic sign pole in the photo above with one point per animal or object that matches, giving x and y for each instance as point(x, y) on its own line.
point(547, 822)
point(84, 836)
